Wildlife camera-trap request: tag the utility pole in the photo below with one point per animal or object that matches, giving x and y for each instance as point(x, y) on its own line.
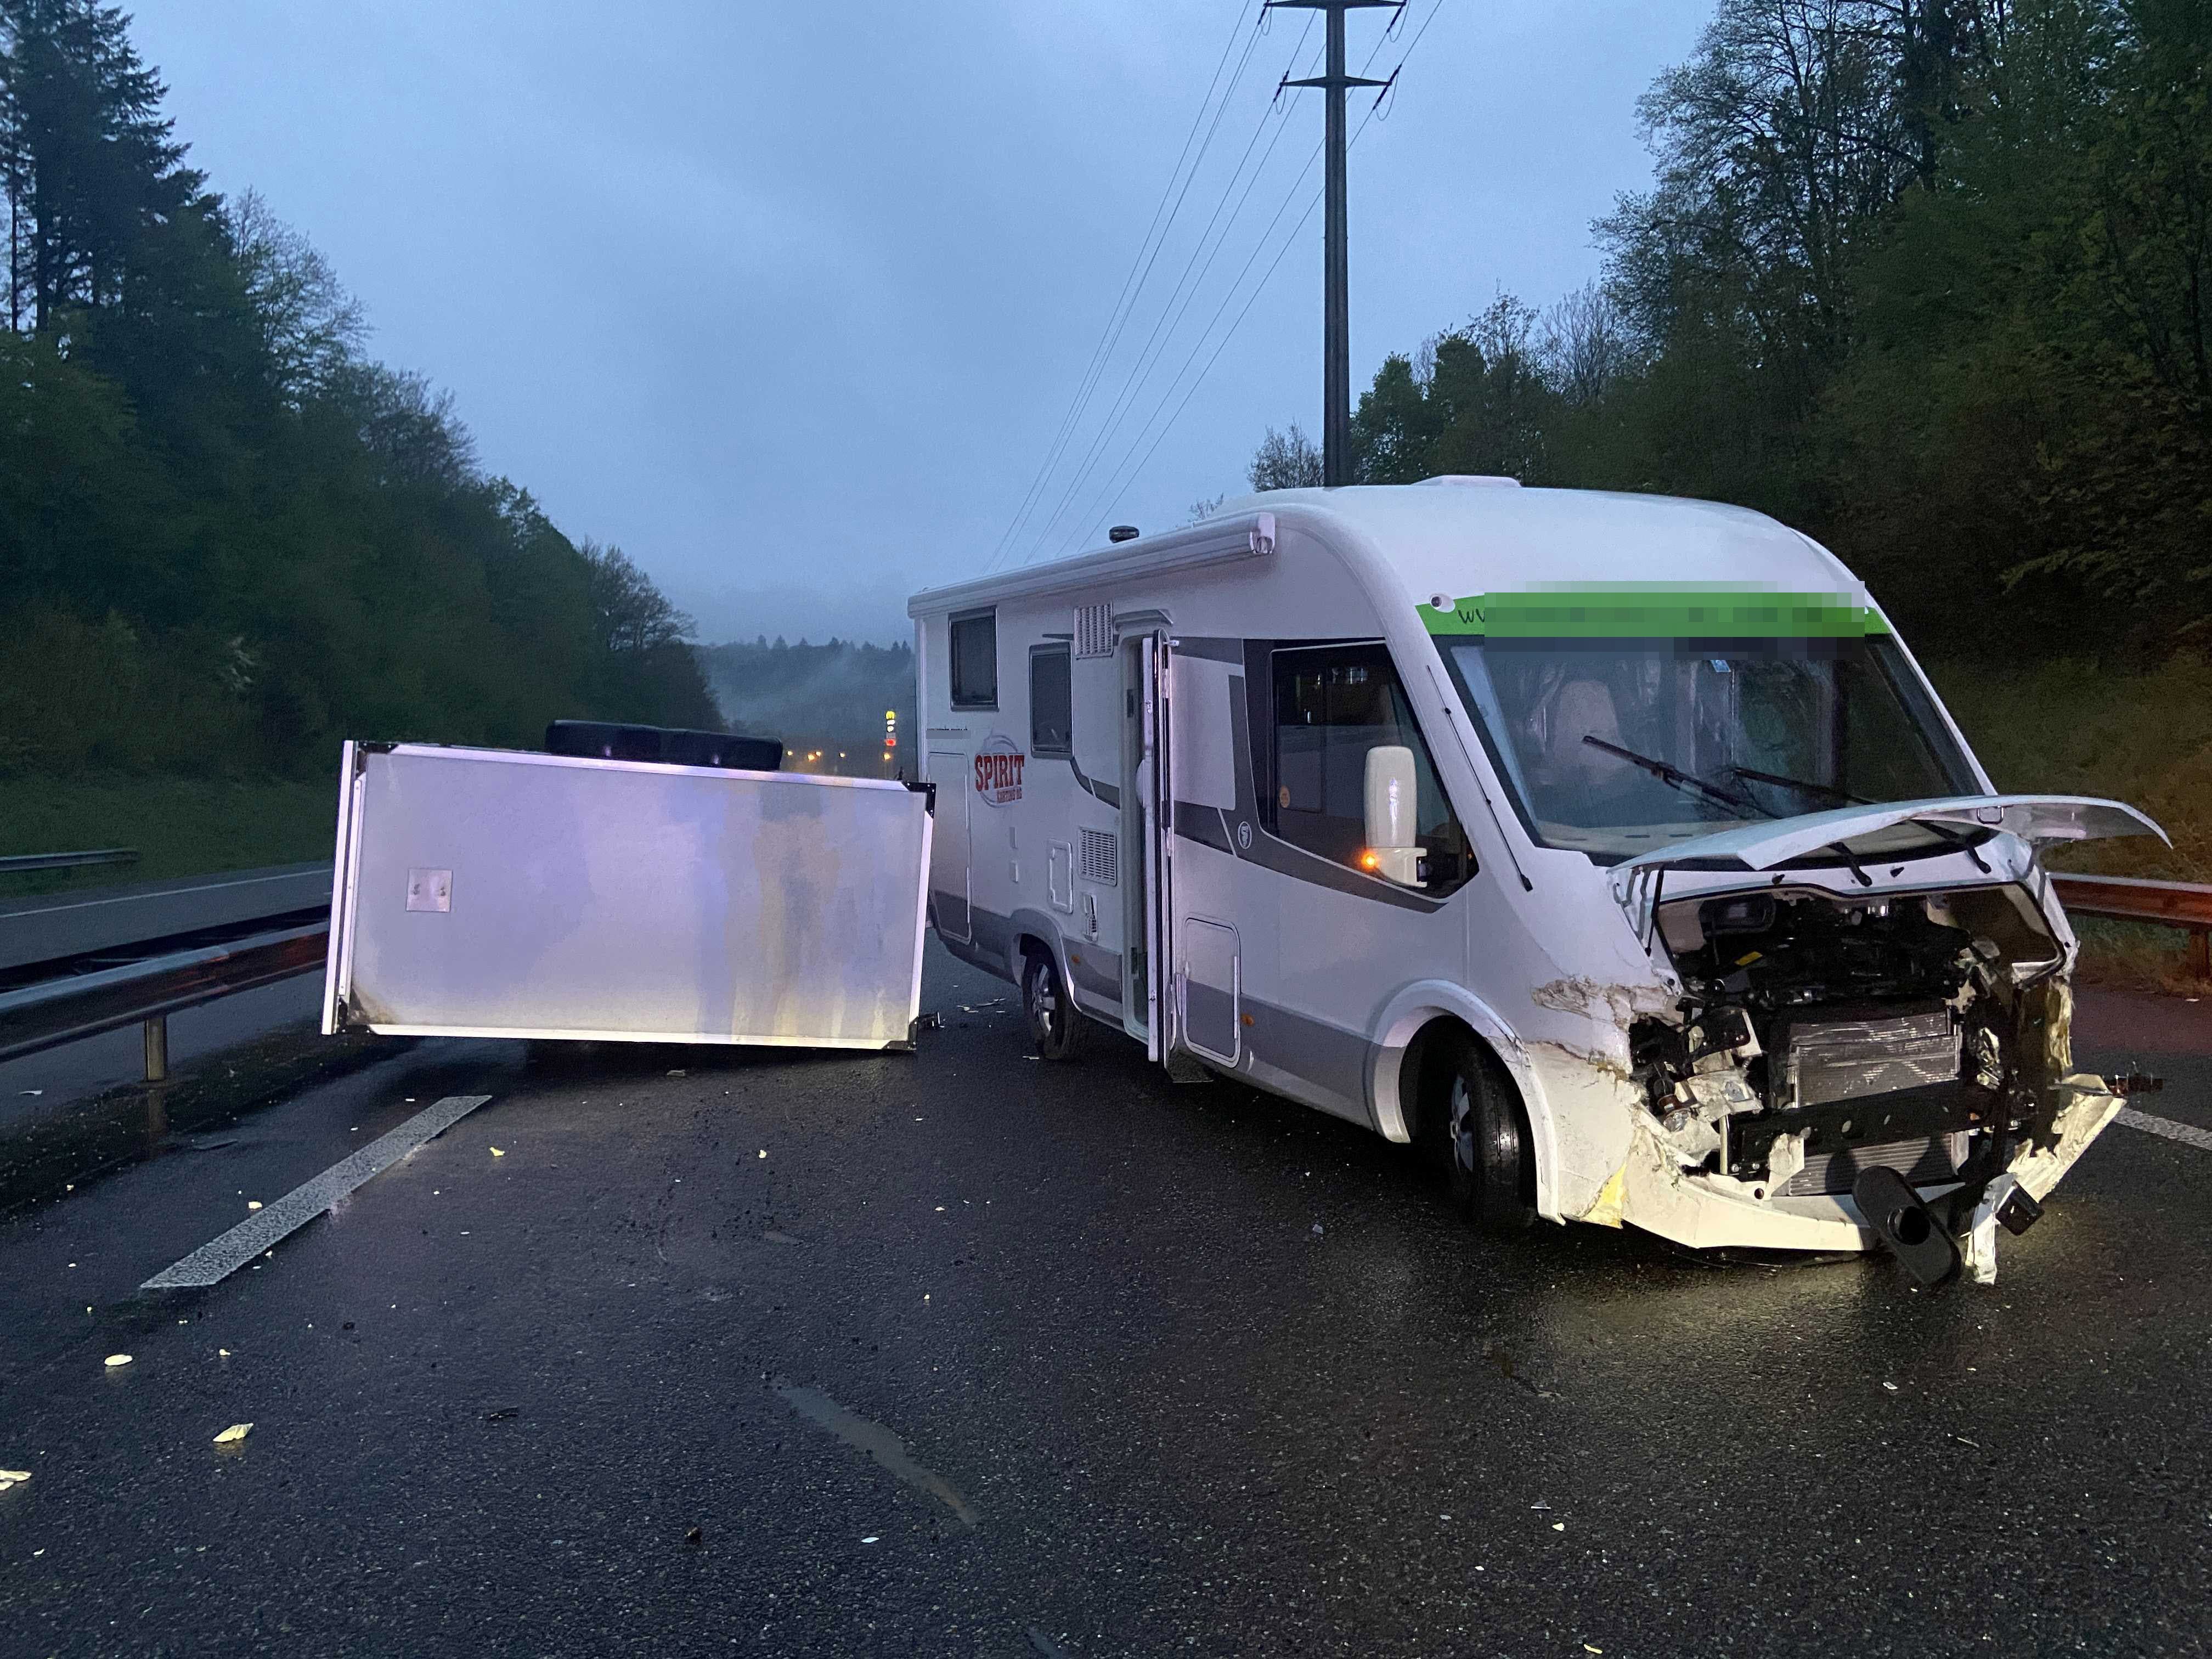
point(1336, 258)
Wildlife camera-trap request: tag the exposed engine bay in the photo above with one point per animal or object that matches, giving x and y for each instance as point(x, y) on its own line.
point(1820, 1037)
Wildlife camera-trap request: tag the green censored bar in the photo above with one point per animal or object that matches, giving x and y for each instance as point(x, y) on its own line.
point(1572, 611)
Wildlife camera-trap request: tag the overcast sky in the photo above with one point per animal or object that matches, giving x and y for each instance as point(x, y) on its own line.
point(790, 300)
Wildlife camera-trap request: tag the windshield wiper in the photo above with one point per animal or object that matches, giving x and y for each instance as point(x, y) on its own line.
point(1958, 838)
point(1670, 774)
point(1826, 791)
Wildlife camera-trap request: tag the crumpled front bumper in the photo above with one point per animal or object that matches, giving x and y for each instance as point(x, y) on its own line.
point(1649, 1190)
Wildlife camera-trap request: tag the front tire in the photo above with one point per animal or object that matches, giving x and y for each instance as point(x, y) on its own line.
point(1056, 1025)
point(1490, 1165)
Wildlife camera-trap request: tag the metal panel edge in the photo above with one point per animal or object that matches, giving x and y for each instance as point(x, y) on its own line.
point(872, 1045)
point(593, 762)
point(921, 913)
point(342, 885)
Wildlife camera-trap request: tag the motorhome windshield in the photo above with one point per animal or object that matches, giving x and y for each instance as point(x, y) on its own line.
point(1617, 747)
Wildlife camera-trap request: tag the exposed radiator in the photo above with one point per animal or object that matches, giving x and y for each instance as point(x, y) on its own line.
point(1826, 1059)
point(1923, 1163)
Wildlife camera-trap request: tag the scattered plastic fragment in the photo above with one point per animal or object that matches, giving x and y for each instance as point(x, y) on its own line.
point(1558, 1526)
point(1892, 1387)
point(496, 1152)
point(1539, 1504)
point(693, 1535)
point(869, 1539)
point(34, 1091)
point(764, 1152)
point(1316, 1229)
point(1587, 1648)
point(680, 1074)
point(252, 1203)
point(12, 1478)
point(225, 1353)
point(234, 1434)
point(115, 1359)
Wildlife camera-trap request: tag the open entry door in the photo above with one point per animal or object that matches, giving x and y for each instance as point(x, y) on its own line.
point(1145, 827)
point(489, 893)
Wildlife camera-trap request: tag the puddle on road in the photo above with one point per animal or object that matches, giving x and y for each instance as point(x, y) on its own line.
point(878, 1442)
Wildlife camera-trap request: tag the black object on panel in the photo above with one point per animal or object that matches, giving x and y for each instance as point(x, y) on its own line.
point(670, 745)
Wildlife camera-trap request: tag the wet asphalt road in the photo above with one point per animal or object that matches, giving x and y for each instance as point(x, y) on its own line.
point(1207, 1374)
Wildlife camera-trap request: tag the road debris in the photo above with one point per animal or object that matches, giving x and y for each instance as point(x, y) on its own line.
point(682, 1073)
point(693, 1535)
point(223, 1352)
point(1892, 1387)
point(496, 1152)
point(252, 1203)
point(12, 1478)
point(764, 1152)
point(235, 1435)
point(116, 1359)
point(1558, 1526)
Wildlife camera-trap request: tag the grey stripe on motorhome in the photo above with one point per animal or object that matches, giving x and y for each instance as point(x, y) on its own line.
point(1105, 792)
point(1317, 1063)
point(1083, 965)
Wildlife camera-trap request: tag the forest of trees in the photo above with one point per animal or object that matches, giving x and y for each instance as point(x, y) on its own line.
point(1929, 279)
point(228, 538)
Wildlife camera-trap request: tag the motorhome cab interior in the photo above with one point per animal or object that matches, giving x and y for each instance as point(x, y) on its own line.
point(1611, 848)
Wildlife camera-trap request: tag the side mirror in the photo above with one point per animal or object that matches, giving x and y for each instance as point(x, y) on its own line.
point(1393, 849)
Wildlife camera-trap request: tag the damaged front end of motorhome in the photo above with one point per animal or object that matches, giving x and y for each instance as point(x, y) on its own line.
point(1905, 1046)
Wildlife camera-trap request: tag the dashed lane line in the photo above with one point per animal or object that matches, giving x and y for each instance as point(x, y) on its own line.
point(2187, 1133)
point(219, 1258)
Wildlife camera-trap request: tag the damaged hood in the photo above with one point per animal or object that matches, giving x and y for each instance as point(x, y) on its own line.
point(2032, 818)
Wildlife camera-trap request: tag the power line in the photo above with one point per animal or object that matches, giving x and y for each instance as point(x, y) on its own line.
point(1139, 268)
point(1176, 305)
point(1127, 475)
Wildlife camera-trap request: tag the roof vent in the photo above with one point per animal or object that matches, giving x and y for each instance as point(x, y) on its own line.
point(1122, 533)
point(1491, 479)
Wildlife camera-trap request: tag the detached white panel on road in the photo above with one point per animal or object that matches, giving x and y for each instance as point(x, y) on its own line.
point(219, 1258)
point(488, 893)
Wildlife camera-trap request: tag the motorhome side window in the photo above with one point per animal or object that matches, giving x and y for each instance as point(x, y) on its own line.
point(1333, 704)
point(976, 660)
point(1051, 710)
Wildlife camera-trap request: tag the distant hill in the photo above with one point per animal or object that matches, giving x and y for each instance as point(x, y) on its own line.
point(827, 697)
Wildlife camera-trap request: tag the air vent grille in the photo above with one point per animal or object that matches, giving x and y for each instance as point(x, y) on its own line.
point(1102, 857)
point(1093, 630)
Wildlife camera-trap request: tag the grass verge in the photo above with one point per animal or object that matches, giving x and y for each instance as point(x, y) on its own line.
point(180, 826)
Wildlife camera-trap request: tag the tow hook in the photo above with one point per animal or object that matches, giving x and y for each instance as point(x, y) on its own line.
point(1909, 1227)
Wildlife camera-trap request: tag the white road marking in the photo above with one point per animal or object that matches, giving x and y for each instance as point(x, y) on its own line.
point(2187, 1133)
point(219, 1258)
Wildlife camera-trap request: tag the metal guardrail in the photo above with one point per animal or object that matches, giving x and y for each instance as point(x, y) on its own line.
point(2130, 898)
point(16, 863)
point(79, 998)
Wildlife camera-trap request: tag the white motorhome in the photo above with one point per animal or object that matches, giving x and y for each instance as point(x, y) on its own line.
point(1611, 846)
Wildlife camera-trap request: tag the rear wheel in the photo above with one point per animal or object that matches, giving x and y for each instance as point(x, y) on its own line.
point(1055, 1024)
point(1490, 1166)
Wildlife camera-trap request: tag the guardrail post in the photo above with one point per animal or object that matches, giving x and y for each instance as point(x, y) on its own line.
point(157, 1049)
